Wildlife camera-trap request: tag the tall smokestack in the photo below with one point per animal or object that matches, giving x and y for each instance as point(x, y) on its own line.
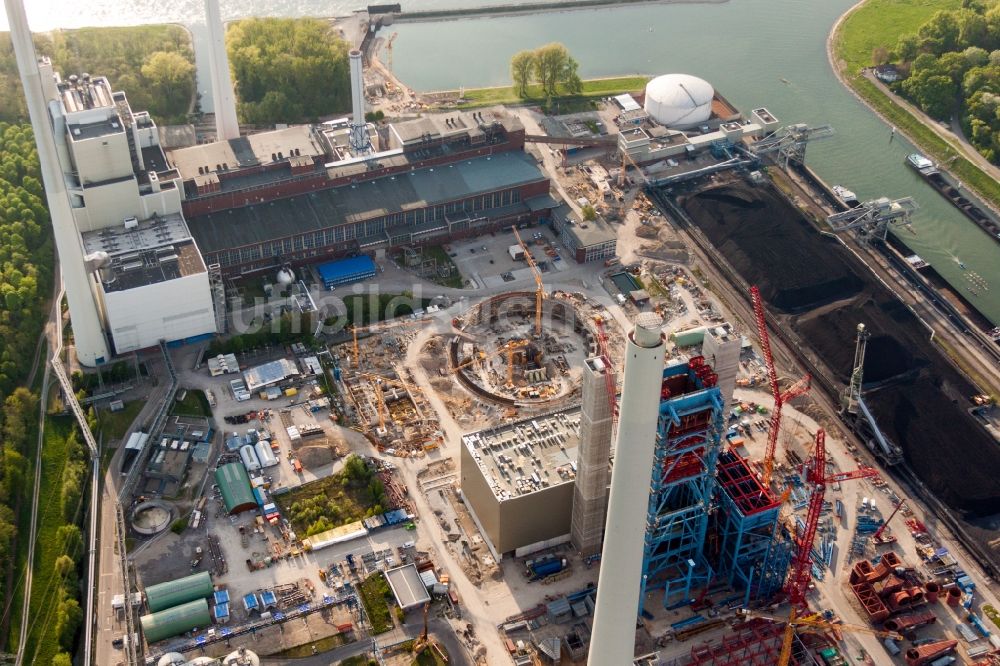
point(359, 130)
point(613, 639)
point(226, 125)
point(91, 345)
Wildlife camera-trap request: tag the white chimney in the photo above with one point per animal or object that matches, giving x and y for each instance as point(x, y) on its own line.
point(613, 638)
point(360, 142)
point(91, 345)
point(223, 99)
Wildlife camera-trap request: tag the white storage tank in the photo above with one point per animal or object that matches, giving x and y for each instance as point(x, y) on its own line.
point(679, 100)
point(249, 458)
point(265, 455)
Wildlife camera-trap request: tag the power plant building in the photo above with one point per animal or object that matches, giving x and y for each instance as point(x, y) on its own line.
point(518, 480)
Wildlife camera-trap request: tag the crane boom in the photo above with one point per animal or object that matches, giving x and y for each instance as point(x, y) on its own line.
point(798, 388)
point(797, 584)
point(878, 536)
point(539, 287)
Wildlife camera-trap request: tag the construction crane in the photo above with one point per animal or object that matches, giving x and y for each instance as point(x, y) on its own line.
point(388, 50)
point(814, 472)
point(797, 389)
point(880, 538)
point(376, 381)
point(811, 623)
point(508, 347)
point(626, 160)
point(357, 356)
point(539, 288)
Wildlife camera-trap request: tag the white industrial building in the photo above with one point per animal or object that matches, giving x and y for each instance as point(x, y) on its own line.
point(147, 278)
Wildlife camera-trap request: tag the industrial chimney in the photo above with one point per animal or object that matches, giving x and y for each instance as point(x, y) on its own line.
point(360, 142)
point(91, 345)
point(226, 125)
point(618, 586)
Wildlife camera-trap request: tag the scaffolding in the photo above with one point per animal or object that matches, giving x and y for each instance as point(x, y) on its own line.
point(754, 643)
point(683, 482)
point(753, 552)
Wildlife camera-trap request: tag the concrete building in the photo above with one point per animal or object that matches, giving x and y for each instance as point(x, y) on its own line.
point(518, 481)
point(721, 348)
point(592, 240)
point(619, 584)
point(590, 492)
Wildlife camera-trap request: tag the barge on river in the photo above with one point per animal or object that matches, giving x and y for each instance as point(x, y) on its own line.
point(949, 189)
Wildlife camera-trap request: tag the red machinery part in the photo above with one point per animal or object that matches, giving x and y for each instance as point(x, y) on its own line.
point(931, 590)
point(910, 621)
point(954, 596)
point(919, 656)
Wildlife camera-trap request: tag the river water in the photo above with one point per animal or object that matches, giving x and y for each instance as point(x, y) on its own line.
point(756, 52)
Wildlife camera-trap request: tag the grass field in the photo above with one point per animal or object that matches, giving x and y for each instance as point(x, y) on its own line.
point(194, 404)
point(114, 425)
point(42, 643)
point(375, 594)
point(592, 89)
point(321, 645)
point(880, 23)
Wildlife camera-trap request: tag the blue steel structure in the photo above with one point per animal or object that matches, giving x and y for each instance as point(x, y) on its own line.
point(688, 441)
point(709, 519)
point(753, 551)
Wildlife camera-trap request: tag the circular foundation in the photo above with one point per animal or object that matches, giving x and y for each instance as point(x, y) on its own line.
point(501, 359)
point(152, 517)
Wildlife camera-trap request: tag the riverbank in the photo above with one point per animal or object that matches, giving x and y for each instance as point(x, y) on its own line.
point(847, 70)
point(528, 8)
point(592, 89)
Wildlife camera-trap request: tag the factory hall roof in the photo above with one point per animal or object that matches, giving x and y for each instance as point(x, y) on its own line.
point(246, 151)
point(407, 586)
point(529, 455)
point(266, 374)
point(362, 201)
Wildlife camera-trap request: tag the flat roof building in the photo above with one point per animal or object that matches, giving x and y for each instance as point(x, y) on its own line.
point(234, 484)
point(407, 586)
point(345, 271)
point(517, 481)
point(591, 240)
point(266, 374)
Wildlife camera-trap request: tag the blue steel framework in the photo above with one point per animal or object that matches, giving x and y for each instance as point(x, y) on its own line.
point(753, 554)
point(688, 443)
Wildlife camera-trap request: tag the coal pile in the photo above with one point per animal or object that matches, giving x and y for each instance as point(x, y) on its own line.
point(771, 245)
point(918, 398)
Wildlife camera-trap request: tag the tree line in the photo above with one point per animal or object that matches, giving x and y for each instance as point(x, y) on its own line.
point(550, 67)
point(288, 70)
point(951, 66)
point(153, 64)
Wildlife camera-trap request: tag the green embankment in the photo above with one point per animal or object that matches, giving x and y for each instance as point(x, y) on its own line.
point(592, 89)
point(880, 23)
point(47, 588)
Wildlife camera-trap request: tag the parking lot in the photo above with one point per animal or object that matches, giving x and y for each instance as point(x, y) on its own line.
point(487, 262)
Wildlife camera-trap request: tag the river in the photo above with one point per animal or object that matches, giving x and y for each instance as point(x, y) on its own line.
point(756, 52)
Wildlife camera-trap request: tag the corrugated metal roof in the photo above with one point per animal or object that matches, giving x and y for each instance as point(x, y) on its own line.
point(234, 484)
point(367, 200)
point(176, 620)
point(171, 593)
point(343, 269)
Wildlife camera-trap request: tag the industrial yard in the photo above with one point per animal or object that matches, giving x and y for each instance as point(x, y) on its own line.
point(630, 357)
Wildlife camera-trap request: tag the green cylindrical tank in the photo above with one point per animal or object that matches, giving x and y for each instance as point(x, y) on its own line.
point(175, 621)
point(690, 337)
point(174, 592)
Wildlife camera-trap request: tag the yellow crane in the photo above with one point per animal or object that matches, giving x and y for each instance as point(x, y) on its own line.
point(626, 160)
point(508, 347)
point(388, 50)
point(539, 287)
point(811, 623)
point(354, 330)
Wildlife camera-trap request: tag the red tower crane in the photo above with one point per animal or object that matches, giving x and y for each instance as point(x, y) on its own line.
point(815, 473)
point(609, 378)
point(795, 390)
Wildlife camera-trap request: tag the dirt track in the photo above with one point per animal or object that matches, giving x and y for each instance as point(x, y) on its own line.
point(919, 400)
